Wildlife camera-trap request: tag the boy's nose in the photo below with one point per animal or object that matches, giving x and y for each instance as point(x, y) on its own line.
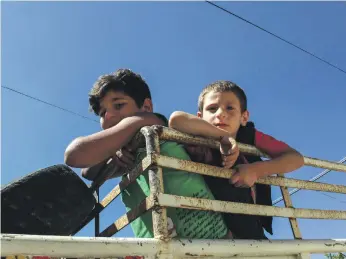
point(220, 113)
point(108, 115)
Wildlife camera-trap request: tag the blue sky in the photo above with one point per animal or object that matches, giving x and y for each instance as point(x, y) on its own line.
point(55, 51)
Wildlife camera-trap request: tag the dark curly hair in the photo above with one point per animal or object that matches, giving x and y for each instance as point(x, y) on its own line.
point(123, 80)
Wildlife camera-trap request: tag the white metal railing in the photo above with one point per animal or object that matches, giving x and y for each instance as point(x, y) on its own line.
point(161, 246)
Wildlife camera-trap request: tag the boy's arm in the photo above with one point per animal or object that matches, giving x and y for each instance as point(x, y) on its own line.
point(193, 125)
point(93, 149)
point(90, 173)
point(284, 159)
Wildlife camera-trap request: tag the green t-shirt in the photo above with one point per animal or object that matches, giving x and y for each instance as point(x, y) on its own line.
point(187, 223)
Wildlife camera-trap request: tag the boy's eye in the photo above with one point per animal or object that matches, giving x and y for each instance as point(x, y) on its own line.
point(118, 106)
point(229, 108)
point(211, 109)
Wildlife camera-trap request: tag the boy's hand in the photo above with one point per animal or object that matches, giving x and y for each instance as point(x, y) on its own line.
point(244, 176)
point(124, 158)
point(229, 151)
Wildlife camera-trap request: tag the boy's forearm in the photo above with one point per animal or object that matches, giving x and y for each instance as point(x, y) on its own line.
point(287, 162)
point(90, 150)
point(91, 173)
point(193, 125)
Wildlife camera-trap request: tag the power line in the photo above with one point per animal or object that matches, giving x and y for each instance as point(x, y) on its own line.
point(50, 104)
point(311, 180)
point(276, 36)
point(330, 196)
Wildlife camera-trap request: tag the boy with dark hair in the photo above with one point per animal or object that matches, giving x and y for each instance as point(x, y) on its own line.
point(123, 102)
point(222, 114)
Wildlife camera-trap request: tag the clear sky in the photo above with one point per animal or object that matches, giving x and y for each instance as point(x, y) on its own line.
point(55, 51)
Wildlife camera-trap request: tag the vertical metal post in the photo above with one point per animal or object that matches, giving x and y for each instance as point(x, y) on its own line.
point(160, 227)
point(97, 216)
point(288, 204)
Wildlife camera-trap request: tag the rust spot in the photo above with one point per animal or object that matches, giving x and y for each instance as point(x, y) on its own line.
point(196, 255)
point(182, 242)
point(335, 244)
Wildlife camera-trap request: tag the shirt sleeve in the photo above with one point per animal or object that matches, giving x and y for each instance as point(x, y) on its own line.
point(269, 145)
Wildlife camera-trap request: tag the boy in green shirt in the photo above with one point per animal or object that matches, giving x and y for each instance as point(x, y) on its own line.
point(123, 102)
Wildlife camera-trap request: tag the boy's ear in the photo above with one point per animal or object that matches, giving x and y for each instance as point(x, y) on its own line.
point(147, 105)
point(199, 114)
point(244, 118)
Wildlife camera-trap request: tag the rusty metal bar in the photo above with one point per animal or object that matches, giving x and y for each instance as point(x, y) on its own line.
point(313, 179)
point(292, 183)
point(221, 172)
point(146, 205)
point(182, 257)
point(193, 167)
point(288, 203)
point(81, 247)
point(174, 135)
point(248, 209)
point(131, 177)
point(160, 226)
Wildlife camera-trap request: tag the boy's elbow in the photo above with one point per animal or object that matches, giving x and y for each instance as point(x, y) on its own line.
point(299, 158)
point(175, 118)
point(71, 156)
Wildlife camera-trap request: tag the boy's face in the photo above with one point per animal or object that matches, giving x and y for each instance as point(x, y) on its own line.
point(222, 109)
point(116, 105)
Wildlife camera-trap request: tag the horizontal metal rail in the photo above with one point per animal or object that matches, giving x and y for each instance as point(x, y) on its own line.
point(313, 179)
point(174, 201)
point(174, 135)
point(81, 247)
point(221, 172)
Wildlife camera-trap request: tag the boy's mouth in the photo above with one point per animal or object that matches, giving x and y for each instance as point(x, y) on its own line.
point(220, 125)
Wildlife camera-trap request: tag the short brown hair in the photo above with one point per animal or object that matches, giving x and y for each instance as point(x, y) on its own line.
point(223, 86)
point(123, 80)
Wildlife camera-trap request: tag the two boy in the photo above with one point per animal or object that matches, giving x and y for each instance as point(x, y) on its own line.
point(123, 102)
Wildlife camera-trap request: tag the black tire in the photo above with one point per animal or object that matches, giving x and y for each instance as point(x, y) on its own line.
point(51, 201)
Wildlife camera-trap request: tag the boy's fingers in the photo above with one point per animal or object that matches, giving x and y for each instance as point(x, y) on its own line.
point(228, 159)
point(225, 149)
point(235, 178)
point(126, 160)
point(231, 155)
point(119, 162)
point(241, 185)
point(124, 157)
point(128, 154)
point(228, 164)
point(228, 146)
